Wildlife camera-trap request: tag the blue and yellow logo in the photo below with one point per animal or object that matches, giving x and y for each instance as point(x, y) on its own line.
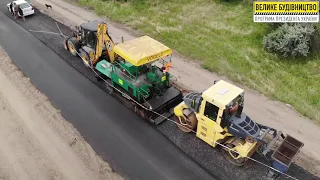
point(286, 7)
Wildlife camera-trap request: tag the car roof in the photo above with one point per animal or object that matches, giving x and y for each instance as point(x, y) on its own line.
point(20, 1)
point(91, 25)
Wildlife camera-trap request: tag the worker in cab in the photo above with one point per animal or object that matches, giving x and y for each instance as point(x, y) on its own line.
point(166, 67)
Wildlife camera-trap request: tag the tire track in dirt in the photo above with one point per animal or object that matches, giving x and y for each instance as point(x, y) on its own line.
point(19, 144)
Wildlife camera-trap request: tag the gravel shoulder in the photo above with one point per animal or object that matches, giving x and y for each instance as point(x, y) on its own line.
point(36, 141)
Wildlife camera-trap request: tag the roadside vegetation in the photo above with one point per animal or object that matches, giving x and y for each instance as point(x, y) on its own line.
point(222, 36)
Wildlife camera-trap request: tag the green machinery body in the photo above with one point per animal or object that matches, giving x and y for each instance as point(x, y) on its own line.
point(141, 82)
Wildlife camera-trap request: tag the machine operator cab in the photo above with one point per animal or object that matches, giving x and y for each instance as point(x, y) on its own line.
point(140, 67)
point(144, 52)
point(84, 42)
point(87, 33)
point(87, 36)
point(216, 113)
point(221, 110)
point(221, 102)
point(217, 118)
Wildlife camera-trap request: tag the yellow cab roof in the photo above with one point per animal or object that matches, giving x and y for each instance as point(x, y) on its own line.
point(142, 50)
point(222, 93)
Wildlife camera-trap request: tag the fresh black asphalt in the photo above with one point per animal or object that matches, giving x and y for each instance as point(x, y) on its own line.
point(131, 145)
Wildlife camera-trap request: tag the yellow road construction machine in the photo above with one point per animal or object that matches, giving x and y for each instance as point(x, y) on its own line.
point(216, 117)
point(92, 42)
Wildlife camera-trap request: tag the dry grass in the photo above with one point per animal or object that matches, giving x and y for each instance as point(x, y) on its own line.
point(223, 37)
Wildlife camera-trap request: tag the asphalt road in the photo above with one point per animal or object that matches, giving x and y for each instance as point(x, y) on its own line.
point(132, 147)
point(134, 127)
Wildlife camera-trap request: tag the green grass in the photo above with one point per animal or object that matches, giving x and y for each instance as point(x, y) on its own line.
point(223, 37)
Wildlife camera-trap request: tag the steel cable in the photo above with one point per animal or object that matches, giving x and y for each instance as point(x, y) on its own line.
point(150, 109)
point(170, 120)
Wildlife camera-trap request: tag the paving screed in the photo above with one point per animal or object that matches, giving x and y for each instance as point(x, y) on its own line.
point(209, 158)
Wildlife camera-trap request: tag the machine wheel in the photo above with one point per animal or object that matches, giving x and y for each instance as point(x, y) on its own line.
point(72, 46)
point(190, 123)
point(85, 58)
point(226, 154)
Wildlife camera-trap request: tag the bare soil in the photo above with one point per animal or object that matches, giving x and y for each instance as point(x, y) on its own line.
point(36, 141)
point(192, 77)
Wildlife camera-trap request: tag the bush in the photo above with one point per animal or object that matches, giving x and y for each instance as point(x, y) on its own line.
point(274, 26)
point(293, 39)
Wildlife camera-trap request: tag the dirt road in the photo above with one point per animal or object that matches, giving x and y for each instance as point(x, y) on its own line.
point(36, 141)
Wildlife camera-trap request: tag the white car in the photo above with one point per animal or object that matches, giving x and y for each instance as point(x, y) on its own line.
point(25, 6)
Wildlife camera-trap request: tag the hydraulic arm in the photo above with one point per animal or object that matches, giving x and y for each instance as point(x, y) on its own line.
point(103, 39)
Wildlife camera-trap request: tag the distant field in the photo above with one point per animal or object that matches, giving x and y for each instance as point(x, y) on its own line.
point(224, 39)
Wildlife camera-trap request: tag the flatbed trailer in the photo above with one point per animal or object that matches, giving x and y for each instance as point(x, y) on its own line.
point(159, 112)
